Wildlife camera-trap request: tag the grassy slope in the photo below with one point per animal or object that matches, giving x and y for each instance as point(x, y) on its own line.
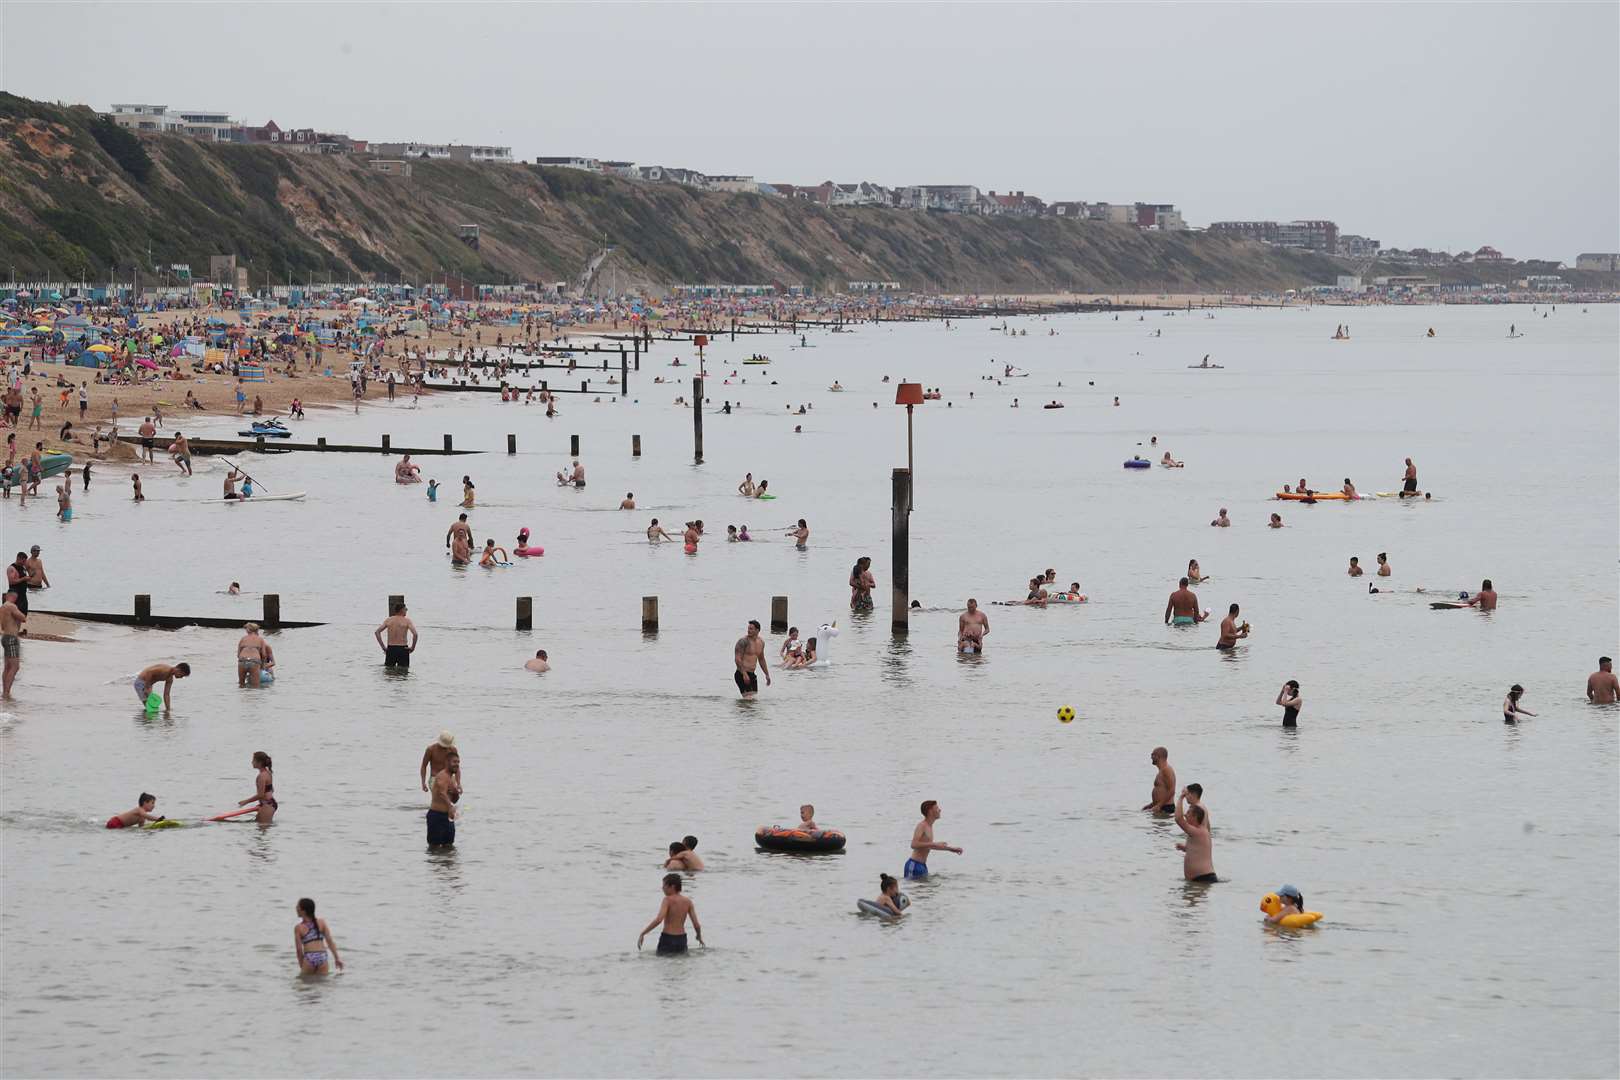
point(69, 208)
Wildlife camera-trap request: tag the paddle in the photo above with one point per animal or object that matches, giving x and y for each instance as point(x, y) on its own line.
point(243, 471)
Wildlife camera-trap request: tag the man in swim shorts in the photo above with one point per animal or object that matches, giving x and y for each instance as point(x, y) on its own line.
point(1199, 863)
point(1164, 782)
point(1182, 607)
point(441, 815)
point(749, 653)
point(1231, 631)
point(1409, 481)
point(673, 913)
point(971, 628)
point(1221, 520)
point(147, 432)
point(138, 816)
point(12, 623)
point(578, 476)
point(396, 651)
point(922, 841)
point(147, 680)
point(1602, 686)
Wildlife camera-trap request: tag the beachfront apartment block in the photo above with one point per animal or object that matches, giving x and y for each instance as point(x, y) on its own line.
point(497, 155)
point(584, 164)
point(205, 124)
point(1595, 260)
point(1313, 235)
point(391, 166)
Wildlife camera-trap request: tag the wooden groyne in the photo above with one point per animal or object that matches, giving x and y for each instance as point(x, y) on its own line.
point(142, 616)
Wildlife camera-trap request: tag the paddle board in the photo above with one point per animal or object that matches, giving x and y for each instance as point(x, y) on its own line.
point(261, 498)
point(1447, 605)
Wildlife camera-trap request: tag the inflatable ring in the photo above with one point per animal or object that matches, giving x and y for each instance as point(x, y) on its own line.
point(1271, 903)
point(868, 907)
point(799, 841)
point(1138, 463)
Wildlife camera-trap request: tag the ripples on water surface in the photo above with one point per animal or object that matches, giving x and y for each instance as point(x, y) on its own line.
point(1468, 871)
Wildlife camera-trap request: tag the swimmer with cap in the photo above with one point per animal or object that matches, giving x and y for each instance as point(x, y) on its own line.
point(1292, 904)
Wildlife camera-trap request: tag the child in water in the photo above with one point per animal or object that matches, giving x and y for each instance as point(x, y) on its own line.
point(433, 491)
point(792, 648)
point(888, 895)
point(1292, 904)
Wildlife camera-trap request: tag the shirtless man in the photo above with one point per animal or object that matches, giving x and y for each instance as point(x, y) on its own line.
point(1602, 686)
point(253, 655)
point(231, 478)
point(147, 432)
point(147, 680)
point(539, 663)
point(971, 628)
point(1164, 782)
point(628, 502)
point(577, 478)
point(396, 652)
point(656, 533)
point(1409, 486)
point(1384, 569)
point(13, 622)
point(1355, 567)
point(800, 534)
point(1485, 599)
point(922, 842)
point(441, 814)
point(1199, 864)
point(440, 755)
point(1231, 631)
point(748, 653)
point(1221, 520)
point(673, 913)
point(459, 529)
point(182, 453)
point(1182, 608)
point(38, 578)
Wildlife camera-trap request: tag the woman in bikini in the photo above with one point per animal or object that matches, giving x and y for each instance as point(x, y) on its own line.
point(264, 792)
point(313, 943)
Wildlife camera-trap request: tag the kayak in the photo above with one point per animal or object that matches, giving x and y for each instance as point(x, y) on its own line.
point(262, 498)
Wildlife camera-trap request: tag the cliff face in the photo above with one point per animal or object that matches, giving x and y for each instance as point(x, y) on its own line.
point(80, 199)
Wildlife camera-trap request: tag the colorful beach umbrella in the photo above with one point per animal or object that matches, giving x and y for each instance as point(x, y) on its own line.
point(100, 348)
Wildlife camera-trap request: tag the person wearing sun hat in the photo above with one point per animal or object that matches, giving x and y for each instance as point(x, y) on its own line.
point(440, 755)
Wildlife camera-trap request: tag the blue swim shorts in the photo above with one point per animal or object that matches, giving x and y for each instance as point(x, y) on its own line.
point(915, 869)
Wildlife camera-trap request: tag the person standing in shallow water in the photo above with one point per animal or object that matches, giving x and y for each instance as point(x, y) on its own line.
point(264, 789)
point(673, 913)
point(749, 654)
point(1199, 863)
point(313, 944)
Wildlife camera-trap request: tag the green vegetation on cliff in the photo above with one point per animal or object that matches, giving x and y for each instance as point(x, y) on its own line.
point(83, 199)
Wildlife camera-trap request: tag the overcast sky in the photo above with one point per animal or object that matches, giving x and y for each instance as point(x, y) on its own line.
point(1438, 125)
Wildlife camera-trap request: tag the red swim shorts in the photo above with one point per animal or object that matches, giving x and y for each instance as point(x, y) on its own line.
point(115, 822)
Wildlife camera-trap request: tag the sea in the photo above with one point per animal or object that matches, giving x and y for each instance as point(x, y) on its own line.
point(1467, 869)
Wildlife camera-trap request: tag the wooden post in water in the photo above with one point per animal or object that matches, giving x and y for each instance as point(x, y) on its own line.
point(778, 614)
point(448, 444)
point(258, 444)
point(525, 613)
point(900, 557)
point(649, 614)
point(636, 341)
point(697, 419)
point(573, 446)
point(511, 444)
point(584, 386)
point(143, 609)
point(394, 600)
point(386, 439)
point(272, 611)
point(635, 446)
point(320, 443)
point(624, 373)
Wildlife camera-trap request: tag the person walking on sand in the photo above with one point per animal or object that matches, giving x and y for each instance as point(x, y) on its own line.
point(14, 623)
point(402, 638)
point(922, 841)
point(1199, 862)
point(314, 947)
point(747, 654)
point(1164, 782)
point(673, 913)
point(264, 789)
